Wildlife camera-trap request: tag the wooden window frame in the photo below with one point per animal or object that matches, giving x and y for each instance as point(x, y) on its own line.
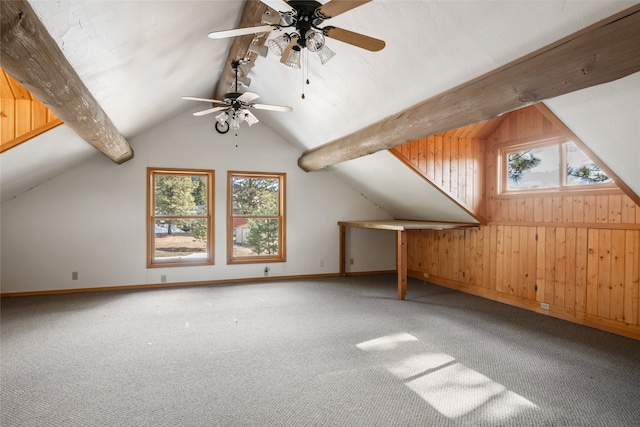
point(563, 187)
point(281, 216)
point(151, 216)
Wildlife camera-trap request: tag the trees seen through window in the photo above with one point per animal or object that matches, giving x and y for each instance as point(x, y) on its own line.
point(549, 166)
point(180, 223)
point(256, 217)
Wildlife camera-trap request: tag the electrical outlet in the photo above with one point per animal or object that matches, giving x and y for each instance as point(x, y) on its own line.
point(351, 261)
point(163, 278)
point(426, 275)
point(321, 263)
point(544, 305)
point(74, 275)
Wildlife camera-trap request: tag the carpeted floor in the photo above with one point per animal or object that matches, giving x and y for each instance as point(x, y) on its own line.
point(322, 352)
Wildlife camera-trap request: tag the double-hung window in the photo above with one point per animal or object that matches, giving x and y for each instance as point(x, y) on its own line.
point(256, 217)
point(179, 217)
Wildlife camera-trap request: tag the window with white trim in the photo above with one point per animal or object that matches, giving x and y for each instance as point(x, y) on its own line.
point(557, 165)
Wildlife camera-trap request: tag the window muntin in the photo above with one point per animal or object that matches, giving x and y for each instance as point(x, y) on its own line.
point(256, 220)
point(180, 217)
point(555, 166)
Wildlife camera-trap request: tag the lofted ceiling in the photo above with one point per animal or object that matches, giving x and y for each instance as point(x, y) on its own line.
point(137, 58)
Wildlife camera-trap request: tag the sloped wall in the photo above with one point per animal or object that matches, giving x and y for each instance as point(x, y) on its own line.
point(452, 164)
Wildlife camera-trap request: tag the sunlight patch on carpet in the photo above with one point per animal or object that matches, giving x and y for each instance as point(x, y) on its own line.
point(451, 388)
point(388, 342)
point(456, 390)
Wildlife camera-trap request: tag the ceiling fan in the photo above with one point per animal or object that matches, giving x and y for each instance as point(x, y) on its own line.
point(235, 107)
point(304, 17)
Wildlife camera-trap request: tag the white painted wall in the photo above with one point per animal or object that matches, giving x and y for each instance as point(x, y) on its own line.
point(607, 119)
point(40, 159)
point(397, 190)
point(91, 219)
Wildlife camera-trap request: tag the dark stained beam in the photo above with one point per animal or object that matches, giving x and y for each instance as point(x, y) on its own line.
point(251, 15)
point(600, 53)
point(30, 55)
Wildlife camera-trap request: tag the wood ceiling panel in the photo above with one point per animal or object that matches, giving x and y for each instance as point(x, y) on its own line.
point(480, 130)
point(22, 117)
point(13, 88)
point(5, 87)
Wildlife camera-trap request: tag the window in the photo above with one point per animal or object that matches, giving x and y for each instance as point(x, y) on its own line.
point(256, 220)
point(550, 166)
point(180, 217)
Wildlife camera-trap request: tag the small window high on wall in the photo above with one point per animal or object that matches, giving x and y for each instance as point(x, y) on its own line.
point(180, 217)
point(557, 165)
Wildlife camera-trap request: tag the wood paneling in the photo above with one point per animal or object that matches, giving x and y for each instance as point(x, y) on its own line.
point(579, 208)
point(22, 116)
point(451, 164)
point(582, 273)
point(578, 252)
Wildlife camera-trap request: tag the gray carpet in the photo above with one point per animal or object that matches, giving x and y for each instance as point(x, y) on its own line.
point(323, 352)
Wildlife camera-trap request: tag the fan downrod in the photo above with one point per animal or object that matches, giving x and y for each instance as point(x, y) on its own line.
point(232, 97)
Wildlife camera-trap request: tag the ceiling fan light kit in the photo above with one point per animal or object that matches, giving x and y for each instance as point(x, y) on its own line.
point(235, 106)
point(304, 17)
point(260, 50)
point(292, 58)
point(279, 44)
point(221, 123)
point(315, 40)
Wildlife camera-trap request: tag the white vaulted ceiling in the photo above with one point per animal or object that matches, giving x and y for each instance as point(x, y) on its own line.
point(139, 57)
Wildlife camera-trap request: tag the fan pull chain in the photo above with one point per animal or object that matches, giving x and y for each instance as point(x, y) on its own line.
point(306, 58)
point(304, 69)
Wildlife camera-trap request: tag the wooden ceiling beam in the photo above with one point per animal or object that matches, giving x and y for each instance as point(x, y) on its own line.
point(30, 55)
point(251, 15)
point(600, 53)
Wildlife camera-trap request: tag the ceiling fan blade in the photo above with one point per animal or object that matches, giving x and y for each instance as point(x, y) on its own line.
point(210, 110)
point(285, 52)
point(248, 97)
point(278, 5)
point(336, 7)
point(191, 98)
point(355, 39)
point(271, 107)
point(240, 31)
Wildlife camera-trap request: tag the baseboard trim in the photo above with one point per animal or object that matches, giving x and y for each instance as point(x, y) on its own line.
point(364, 273)
point(603, 324)
point(179, 284)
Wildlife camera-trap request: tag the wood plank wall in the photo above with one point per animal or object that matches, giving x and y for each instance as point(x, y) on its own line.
point(452, 164)
point(579, 253)
point(21, 115)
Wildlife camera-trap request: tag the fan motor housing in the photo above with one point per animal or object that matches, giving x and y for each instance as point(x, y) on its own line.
point(232, 99)
point(307, 14)
point(305, 7)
